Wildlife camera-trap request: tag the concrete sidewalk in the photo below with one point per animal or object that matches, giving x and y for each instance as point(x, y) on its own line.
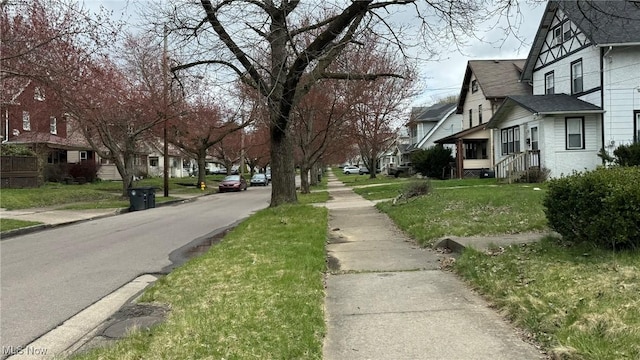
point(387, 298)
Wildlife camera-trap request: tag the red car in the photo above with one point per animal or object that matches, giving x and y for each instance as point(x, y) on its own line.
point(232, 183)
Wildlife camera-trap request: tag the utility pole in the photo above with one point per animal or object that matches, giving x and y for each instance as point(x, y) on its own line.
point(165, 96)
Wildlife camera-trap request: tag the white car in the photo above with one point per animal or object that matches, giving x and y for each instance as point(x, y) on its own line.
point(350, 169)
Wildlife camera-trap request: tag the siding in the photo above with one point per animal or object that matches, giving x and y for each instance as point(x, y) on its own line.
point(621, 79)
point(563, 162)
point(562, 72)
point(471, 103)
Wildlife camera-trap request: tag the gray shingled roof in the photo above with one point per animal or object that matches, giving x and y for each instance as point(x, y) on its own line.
point(496, 78)
point(544, 105)
point(431, 113)
point(499, 78)
point(605, 22)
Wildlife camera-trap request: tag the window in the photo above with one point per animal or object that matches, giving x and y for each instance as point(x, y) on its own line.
point(576, 77)
point(26, 121)
point(153, 161)
point(474, 86)
point(38, 94)
point(549, 84)
point(53, 125)
point(636, 127)
point(562, 33)
point(470, 118)
point(575, 133)
point(510, 140)
point(83, 155)
point(475, 150)
point(480, 114)
point(534, 138)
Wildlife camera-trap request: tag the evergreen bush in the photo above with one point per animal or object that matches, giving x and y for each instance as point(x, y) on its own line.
point(432, 162)
point(628, 155)
point(601, 207)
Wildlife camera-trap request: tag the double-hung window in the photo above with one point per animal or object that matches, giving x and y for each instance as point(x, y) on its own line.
point(26, 121)
point(480, 114)
point(549, 83)
point(576, 77)
point(53, 125)
point(510, 140)
point(470, 118)
point(575, 133)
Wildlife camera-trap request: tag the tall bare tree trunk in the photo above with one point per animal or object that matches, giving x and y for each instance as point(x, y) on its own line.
point(202, 166)
point(282, 169)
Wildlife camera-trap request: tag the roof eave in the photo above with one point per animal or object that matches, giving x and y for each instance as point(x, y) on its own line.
point(619, 44)
point(572, 112)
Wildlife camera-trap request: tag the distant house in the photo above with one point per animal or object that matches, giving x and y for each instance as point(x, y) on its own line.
point(428, 124)
point(32, 116)
point(485, 86)
point(397, 153)
point(584, 67)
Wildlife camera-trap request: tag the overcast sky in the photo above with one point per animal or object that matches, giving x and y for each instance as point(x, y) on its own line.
point(439, 78)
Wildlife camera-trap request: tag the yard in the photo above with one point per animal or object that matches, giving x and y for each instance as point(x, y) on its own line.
point(578, 302)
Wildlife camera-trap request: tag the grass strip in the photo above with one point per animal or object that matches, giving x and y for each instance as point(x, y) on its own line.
point(257, 295)
point(580, 302)
point(314, 197)
point(11, 224)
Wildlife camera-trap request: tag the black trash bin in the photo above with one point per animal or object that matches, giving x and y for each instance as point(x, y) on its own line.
point(487, 174)
point(137, 199)
point(151, 197)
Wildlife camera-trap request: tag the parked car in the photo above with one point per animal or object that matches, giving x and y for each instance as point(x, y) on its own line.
point(232, 183)
point(365, 170)
point(350, 169)
point(259, 179)
point(268, 174)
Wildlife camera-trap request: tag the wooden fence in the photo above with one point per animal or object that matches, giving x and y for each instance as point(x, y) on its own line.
point(19, 172)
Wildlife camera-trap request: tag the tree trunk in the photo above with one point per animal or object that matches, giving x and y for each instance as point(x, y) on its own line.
point(304, 179)
point(202, 167)
point(314, 175)
point(283, 189)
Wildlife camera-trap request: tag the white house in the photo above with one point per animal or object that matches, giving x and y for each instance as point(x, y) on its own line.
point(428, 124)
point(584, 66)
point(486, 84)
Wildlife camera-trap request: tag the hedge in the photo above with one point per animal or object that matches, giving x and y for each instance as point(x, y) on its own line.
point(600, 206)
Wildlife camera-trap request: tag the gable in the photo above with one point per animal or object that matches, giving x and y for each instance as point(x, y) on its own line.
point(570, 25)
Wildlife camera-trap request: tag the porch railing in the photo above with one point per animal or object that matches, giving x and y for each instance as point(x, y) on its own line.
point(517, 166)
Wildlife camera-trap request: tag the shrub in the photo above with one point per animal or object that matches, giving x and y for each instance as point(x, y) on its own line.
point(627, 155)
point(55, 172)
point(87, 170)
point(432, 162)
point(534, 175)
point(15, 150)
point(414, 188)
point(601, 207)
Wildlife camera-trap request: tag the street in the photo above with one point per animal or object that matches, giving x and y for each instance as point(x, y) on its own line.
point(51, 275)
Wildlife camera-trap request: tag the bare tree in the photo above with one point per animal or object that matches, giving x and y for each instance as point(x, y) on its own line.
point(319, 123)
point(283, 48)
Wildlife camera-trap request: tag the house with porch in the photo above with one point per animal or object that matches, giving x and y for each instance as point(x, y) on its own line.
point(32, 116)
point(584, 67)
point(485, 86)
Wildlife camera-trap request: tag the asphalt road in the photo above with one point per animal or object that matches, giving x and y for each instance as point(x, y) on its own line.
point(49, 276)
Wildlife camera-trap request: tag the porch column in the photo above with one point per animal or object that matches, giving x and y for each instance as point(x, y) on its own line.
point(460, 158)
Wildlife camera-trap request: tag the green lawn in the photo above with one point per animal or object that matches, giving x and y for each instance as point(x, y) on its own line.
point(259, 294)
point(10, 224)
point(101, 194)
